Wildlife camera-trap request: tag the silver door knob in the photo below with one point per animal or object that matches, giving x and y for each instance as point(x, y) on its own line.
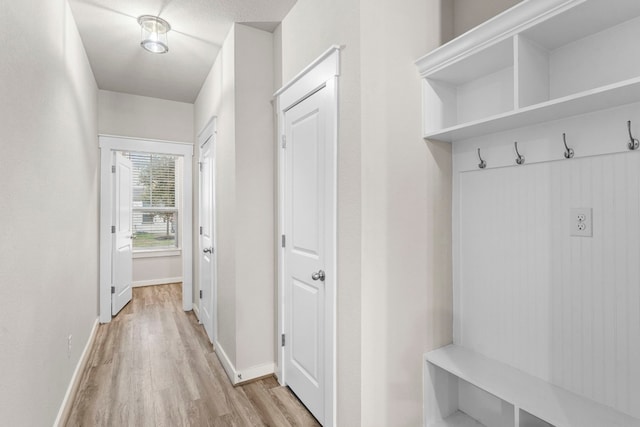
point(208, 250)
point(318, 276)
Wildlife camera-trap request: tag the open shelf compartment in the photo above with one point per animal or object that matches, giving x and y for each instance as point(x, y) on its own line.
point(551, 64)
point(622, 93)
point(525, 419)
point(470, 89)
point(454, 402)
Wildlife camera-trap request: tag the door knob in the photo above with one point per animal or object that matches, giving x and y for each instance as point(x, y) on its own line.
point(208, 250)
point(318, 276)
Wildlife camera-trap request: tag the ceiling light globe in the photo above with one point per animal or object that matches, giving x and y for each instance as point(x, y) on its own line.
point(154, 34)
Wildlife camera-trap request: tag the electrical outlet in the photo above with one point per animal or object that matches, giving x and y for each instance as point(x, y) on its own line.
point(580, 222)
point(69, 346)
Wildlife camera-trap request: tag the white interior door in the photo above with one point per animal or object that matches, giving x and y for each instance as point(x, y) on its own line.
point(308, 227)
point(122, 237)
point(207, 256)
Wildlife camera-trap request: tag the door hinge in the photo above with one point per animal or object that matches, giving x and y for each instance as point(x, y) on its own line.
point(282, 340)
point(113, 168)
point(200, 293)
point(113, 229)
point(113, 289)
point(284, 241)
point(201, 230)
point(284, 141)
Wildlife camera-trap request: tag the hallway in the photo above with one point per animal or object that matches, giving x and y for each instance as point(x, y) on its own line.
point(154, 366)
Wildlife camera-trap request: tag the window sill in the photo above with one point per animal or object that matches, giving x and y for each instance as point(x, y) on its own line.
point(152, 253)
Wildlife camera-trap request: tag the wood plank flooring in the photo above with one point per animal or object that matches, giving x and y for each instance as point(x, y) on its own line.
point(153, 365)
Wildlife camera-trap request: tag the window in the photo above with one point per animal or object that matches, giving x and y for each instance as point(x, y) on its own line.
point(155, 201)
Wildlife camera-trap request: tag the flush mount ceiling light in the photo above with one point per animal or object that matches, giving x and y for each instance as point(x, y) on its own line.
point(154, 33)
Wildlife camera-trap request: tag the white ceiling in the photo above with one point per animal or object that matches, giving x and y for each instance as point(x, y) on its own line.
point(111, 36)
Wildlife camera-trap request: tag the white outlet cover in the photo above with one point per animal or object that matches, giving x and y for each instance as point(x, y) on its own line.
point(577, 226)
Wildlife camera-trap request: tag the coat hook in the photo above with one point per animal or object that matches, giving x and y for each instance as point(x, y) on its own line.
point(568, 152)
point(520, 158)
point(633, 142)
point(482, 163)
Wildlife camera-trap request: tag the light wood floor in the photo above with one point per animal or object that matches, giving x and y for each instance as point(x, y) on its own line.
point(154, 366)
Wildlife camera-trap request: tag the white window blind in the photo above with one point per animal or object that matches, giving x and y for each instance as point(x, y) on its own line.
point(155, 207)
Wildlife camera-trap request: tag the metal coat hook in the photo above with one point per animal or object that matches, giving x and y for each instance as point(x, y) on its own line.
point(482, 163)
point(633, 142)
point(520, 158)
point(568, 152)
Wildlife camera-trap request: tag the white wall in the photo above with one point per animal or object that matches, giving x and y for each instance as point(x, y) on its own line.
point(137, 116)
point(150, 118)
point(49, 208)
point(470, 13)
point(156, 270)
point(238, 92)
point(255, 189)
point(406, 213)
point(217, 98)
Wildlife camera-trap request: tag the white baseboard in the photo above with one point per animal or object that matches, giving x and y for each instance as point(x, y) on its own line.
point(236, 377)
point(74, 384)
point(196, 311)
point(152, 282)
point(255, 372)
point(226, 364)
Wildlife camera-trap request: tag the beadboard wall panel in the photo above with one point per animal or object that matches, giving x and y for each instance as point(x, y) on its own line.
point(565, 309)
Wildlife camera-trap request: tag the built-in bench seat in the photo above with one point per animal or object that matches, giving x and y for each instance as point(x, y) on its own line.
point(534, 402)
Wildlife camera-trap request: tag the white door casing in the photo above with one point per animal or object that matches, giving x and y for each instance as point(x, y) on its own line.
point(307, 113)
point(207, 232)
point(122, 273)
point(108, 146)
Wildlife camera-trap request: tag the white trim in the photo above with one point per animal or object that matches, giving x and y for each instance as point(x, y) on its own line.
point(153, 282)
point(279, 370)
point(74, 384)
point(323, 72)
point(134, 138)
point(196, 311)
point(157, 253)
point(312, 78)
point(209, 132)
point(312, 68)
point(238, 377)
point(505, 25)
point(108, 144)
point(255, 372)
point(208, 128)
point(226, 363)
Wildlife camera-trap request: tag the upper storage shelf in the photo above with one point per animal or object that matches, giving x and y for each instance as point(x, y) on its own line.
point(538, 61)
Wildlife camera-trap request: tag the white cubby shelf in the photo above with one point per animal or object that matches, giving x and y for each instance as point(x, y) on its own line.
point(541, 60)
point(464, 388)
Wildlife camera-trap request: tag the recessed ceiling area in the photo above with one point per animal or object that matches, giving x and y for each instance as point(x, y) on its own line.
point(111, 36)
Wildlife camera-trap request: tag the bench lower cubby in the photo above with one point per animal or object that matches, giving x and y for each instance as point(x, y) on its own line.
point(463, 388)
